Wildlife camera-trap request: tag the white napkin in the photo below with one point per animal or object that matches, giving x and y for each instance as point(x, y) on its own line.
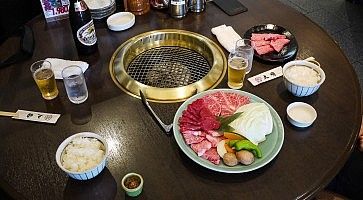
point(59, 64)
point(226, 36)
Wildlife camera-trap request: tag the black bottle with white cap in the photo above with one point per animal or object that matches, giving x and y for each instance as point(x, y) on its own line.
point(83, 29)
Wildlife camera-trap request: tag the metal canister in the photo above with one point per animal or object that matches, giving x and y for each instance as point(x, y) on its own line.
point(196, 5)
point(178, 8)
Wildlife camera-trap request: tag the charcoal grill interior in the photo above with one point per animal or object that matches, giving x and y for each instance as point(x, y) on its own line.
point(167, 65)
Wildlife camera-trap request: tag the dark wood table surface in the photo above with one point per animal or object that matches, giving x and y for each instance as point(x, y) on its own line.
point(307, 162)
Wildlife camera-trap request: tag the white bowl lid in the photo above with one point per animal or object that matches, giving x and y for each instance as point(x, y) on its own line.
point(121, 21)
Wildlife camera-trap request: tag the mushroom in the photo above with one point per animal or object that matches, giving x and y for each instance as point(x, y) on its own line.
point(245, 157)
point(230, 159)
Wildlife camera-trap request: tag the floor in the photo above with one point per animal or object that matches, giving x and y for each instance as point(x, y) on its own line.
point(343, 20)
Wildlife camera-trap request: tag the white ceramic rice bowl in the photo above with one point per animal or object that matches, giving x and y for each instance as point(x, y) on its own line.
point(88, 174)
point(300, 90)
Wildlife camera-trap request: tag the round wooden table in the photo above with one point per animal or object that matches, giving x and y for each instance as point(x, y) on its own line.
point(307, 162)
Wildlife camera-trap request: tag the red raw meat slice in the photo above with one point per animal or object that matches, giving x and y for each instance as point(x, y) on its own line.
point(258, 36)
point(186, 120)
point(196, 133)
point(264, 49)
point(213, 140)
point(258, 43)
point(210, 123)
point(243, 100)
point(279, 44)
point(233, 99)
point(190, 116)
point(205, 112)
point(197, 105)
point(213, 105)
point(226, 106)
point(192, 139)
point(193, 112)
point(272, 36)
point(214, 133)
point(201, 147)
point(266, 36)
point(212, 156)
point(184, 127)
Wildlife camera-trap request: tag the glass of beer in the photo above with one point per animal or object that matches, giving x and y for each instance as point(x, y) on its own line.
point(237, 67)
point(244, 47)
point(44, 78)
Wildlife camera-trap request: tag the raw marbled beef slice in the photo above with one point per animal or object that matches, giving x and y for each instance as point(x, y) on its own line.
point(258, 43)
point(264, 49)
point(213, 140)
point(212, 156)
point(279, 44)
point(201, 147)
point(196, 133)
point(243, 100)
point(226, 106)
point(213, 105)
point(192, 139)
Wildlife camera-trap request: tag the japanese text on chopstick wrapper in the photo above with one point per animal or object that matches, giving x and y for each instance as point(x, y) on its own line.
point(37, 116)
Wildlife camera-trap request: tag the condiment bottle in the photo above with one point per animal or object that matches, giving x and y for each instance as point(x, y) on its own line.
point(83, 29)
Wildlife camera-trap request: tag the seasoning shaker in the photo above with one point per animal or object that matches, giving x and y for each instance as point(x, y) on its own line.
point(196, 6)
point(177, 8)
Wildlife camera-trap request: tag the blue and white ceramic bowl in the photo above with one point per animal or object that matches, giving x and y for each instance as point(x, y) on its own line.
point(88, 174)
point(302, 90)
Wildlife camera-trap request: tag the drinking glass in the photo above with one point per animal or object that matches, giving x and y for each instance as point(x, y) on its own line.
point(44, 78)
point(75, 84)
point(237, 67)
point(244, 47)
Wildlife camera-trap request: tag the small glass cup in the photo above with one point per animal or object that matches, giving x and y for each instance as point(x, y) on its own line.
point(75, 84)
point(237, 67)
point(245, 49)
point(44, 78)
point(138, 7)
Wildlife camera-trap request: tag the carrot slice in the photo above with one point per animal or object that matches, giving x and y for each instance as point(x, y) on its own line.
point(233, 136)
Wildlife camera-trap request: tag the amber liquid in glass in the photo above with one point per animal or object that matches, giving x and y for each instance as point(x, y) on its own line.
point(236, 72)
point(46, 83)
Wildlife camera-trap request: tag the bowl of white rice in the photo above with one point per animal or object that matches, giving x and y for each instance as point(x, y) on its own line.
point(83, 155)
point(303, 78)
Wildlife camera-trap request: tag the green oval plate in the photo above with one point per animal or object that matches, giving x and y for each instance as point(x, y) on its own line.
point(270, 147)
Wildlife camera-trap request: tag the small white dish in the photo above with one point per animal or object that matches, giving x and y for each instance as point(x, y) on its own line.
point(121, 21)
point(301, 114)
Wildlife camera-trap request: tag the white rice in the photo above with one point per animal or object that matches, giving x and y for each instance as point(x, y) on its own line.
point(82, 154)
point(302, 75)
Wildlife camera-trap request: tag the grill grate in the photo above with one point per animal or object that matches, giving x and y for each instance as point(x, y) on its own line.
point(168, 67)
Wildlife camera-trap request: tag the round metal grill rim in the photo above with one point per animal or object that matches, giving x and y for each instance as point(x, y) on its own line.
point(167, 95)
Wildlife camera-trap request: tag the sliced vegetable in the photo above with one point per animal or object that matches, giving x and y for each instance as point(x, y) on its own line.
point(255, 122)
point(249, 146)
point(233, 136)
point(221, 149)
point(229, 149)
point(231, 143)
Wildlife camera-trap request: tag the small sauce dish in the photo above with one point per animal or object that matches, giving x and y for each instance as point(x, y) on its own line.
point(301, 114)
point(121, 21)
point(132, 183)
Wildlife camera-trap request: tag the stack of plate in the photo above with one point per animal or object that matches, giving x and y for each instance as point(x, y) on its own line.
point(101, 8)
